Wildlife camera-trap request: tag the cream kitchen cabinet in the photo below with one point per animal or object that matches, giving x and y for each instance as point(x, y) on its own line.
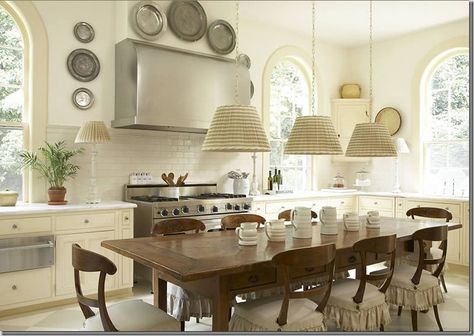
point(342, 203)
point(465, 234)
point(384, 205)
point(400, 207)
point(346, 113)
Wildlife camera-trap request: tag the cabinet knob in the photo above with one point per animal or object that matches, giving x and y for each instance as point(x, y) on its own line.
point(86, 221)
point(253, 278)
point(338, 135)
point(126, 218)
point(342, 202)
point(14, 226)
point(399, 204)
point(14, 287)
point(376, 203)
point(447, 208)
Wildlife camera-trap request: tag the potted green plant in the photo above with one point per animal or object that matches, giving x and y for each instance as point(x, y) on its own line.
point(53, 164)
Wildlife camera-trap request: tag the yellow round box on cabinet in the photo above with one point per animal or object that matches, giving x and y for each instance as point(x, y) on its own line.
point(350, 91)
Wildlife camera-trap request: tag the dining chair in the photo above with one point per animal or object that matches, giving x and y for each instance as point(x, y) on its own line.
point(287, 213)
point(435, 252)
point(359, 304)
point(131, 315)
point(296, 310)
point(415, 288)
point(182, 303)
point(231, 222)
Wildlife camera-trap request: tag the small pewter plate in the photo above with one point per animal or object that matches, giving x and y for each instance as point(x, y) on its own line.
point(83, 98)
point(252, 89)
point(84, 32)
point(221, 37)
point(149, 20)
point(187, 19)
point(244, 60)
point(83, 65)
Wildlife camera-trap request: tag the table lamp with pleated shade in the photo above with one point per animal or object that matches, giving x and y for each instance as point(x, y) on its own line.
point(93, 132)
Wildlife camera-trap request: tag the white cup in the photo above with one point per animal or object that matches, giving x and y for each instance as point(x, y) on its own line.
point(276, 230)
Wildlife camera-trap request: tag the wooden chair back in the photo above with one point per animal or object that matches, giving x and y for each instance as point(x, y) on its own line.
point(88, 261)
point(231, 222)
point(429, 212)
point(437, 233)
point(177, 226)
point(322, 257)
point(383, 245)
point(286, 215)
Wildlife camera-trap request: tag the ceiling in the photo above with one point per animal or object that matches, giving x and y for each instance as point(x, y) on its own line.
point(346, 23)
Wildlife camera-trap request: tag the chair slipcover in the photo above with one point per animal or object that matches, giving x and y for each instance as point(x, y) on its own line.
point(261, 315)
point(402, 292)
point(372, 312)
point(183, 304)
point(134, 315)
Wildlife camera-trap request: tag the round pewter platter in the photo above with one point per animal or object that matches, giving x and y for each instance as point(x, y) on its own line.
point(187, 19)
point(244, 60)
point(149, 20)
point(83, 65)
point(221, 37)
point(83, 32)
point(391, 118)
point(83, 98)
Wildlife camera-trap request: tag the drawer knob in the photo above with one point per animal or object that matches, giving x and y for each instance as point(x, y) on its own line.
point(86, 221)
point(253, 278)
point(342, 202)
point(352, 259)
point(399, 204)
point(376, 203)
point(14, 226)
point(447, 208)
point(126, 218)
point(14, 287)
point(309, 269)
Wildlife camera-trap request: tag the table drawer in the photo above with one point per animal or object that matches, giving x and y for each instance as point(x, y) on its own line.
point(22, 286)
point(251, 279)
point(25, 225)
point(85, 220)
point(454, 208)
point(306, 272)
point(376, 203)
point(347, 259)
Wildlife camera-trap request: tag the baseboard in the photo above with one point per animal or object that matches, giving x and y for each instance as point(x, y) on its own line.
point(459, 269)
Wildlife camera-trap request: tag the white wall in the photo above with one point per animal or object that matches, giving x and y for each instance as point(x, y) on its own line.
point(136, 150)
point(397, 66)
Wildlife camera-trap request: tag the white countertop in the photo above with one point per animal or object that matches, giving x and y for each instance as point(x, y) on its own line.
point(39, 208)
point(310, 194)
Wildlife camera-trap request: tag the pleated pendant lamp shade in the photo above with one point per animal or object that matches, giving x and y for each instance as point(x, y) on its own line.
point(371, 140)
point(236, 128)
point(93, 132)
point(313, 135)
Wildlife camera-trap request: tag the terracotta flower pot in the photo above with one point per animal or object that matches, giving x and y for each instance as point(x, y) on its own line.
point(56, 196)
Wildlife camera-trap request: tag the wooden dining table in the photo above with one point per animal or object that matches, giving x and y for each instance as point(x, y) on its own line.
point(213, 264)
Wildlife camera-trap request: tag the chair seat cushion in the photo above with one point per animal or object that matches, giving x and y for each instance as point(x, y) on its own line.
point(261, 315)
point(402, 292)
point(350, 316)
point(433, 253)
point(134, 315)
point(183, 304)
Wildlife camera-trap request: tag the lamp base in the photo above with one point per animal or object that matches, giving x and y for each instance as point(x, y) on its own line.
point(254, 184)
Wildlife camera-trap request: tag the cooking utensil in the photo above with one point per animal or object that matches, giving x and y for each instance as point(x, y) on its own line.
point(179, 181)
point(184, 178)
point(165, 178)
point(171, 179)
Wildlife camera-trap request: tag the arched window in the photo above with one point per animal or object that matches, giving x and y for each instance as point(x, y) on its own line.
point(11, 102)
point(288, 99)
point(445, 126)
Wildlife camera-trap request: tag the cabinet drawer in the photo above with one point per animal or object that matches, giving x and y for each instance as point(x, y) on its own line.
point(85, 220)
point(16, 287)
point(251, 279)
point(127, 217)
point(376, 203)
point(258, 207)
point(454, 208)
point(277, 207)
point(25, 225)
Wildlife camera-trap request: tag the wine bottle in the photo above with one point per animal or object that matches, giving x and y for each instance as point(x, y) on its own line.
point(275, 180)
point(280, 180)
point(270, 180)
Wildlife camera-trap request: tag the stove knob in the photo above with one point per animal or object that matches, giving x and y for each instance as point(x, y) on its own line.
point(185, 209)
point(237, 207)
point(175, 212)
point(164, 213)
point(200, 208)
point(228, 206)
point(247, 206)
point(215, 209)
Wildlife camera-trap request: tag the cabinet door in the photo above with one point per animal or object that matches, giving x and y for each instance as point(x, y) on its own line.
point(465, 234)
point(64, 270)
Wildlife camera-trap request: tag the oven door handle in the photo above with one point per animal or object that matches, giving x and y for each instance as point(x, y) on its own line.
point(27, 247)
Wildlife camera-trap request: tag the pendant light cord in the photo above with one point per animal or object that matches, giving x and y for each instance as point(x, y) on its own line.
point(370, 59)
point(313, 52)
point(236, 90)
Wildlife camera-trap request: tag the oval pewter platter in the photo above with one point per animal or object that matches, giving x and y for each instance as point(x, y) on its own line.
point(83, 32)
point(83, 65)
point(187, 19)
point(149, 20)
point(221, 37)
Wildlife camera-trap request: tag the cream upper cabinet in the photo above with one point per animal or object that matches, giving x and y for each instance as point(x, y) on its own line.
point(346, 113)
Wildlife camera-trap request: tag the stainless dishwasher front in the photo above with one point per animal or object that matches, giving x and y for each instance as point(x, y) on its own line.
point(23, 253)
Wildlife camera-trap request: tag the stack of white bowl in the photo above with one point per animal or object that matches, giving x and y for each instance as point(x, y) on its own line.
point(247, 233)
point(373, 220)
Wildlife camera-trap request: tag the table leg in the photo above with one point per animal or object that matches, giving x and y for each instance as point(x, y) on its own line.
point(220, 311)
point(159, 287)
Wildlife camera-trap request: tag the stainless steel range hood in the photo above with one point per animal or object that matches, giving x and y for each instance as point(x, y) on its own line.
point(169, 89)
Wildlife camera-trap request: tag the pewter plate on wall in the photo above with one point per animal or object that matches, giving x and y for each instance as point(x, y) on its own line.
point(83, 98)
point(84, 32)
point(83, 65)
point(244, 60)
point(187, 19)
point(221, 37)
point(252, 89)
point(149, 20)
